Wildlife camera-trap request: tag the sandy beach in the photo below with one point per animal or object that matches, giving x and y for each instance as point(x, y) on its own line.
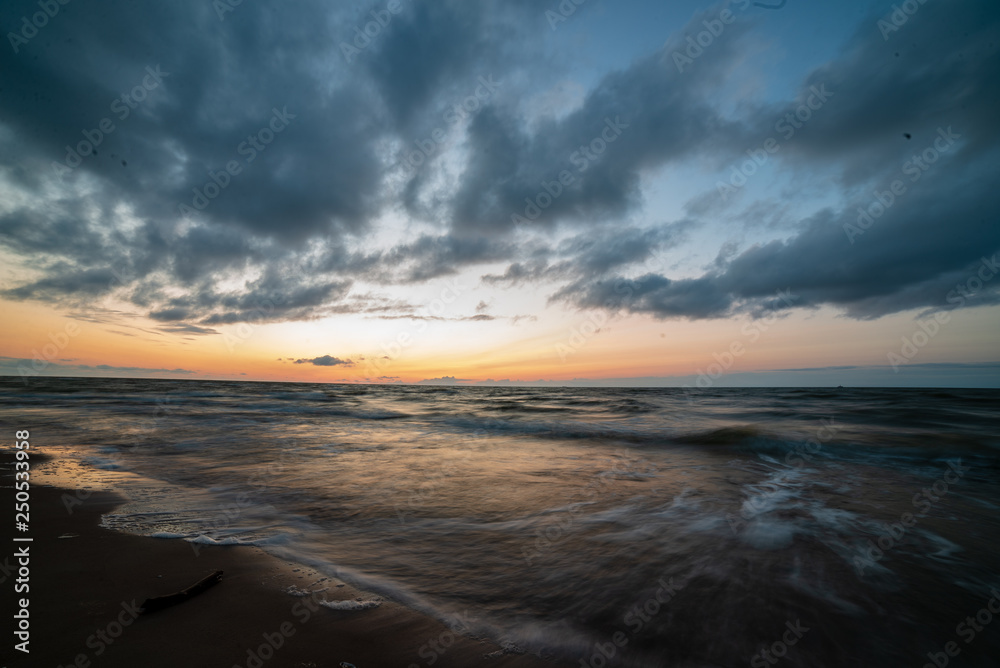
point(87, 583)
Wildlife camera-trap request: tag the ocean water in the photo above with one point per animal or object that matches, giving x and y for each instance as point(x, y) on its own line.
point(633, 527)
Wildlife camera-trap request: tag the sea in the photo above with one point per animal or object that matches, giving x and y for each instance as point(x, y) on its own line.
point(597, 526)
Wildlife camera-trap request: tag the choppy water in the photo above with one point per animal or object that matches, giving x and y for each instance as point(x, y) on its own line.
point(701, 526)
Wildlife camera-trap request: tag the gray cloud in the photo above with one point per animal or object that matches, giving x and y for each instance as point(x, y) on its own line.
point(932, 238)
point(289, 235)
point(325, 360)
point(592, 254)
point(644, 116)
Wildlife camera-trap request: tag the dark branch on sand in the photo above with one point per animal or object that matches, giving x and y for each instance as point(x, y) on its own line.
point(161, 602)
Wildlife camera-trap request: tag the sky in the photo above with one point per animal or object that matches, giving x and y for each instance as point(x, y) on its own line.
point(581, 192)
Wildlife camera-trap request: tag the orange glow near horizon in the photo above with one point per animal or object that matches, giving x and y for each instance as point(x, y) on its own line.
point(564, 347)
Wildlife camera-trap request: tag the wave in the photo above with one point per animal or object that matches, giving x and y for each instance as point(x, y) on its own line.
point(727, 436)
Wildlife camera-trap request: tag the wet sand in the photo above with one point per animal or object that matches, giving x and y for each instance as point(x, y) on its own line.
point(85, 590)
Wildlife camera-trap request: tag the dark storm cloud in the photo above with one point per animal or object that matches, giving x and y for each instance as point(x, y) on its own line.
point(264, 304)
point(60, 230)
point(652, 293)
point(433, 47)
point(433, 256)
point(170, 314)
point(905, 260)
point(592, 254)
point(201, 94)
point(931, 240)
point(220, 82)
point(939, 70)
point(217, 82)
point(76, 283)
point(610, 249)
point(645, 116)
point(287, 222)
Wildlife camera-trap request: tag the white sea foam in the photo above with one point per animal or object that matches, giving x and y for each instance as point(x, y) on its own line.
point(352, 605)
point(206, 540)
point(292, 590)
point(167, 534)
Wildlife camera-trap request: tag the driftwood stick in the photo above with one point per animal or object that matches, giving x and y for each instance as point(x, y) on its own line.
point(161, 602)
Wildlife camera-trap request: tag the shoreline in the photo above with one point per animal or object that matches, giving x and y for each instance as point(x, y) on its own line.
point(87, 582)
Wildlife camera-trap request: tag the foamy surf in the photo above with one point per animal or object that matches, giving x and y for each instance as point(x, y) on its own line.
point(351, 606)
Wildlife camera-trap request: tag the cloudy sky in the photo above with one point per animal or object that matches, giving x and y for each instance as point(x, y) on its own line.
point(633, 192)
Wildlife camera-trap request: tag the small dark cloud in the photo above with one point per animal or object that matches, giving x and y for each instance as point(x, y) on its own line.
point(325, 360)
point(170, 314)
